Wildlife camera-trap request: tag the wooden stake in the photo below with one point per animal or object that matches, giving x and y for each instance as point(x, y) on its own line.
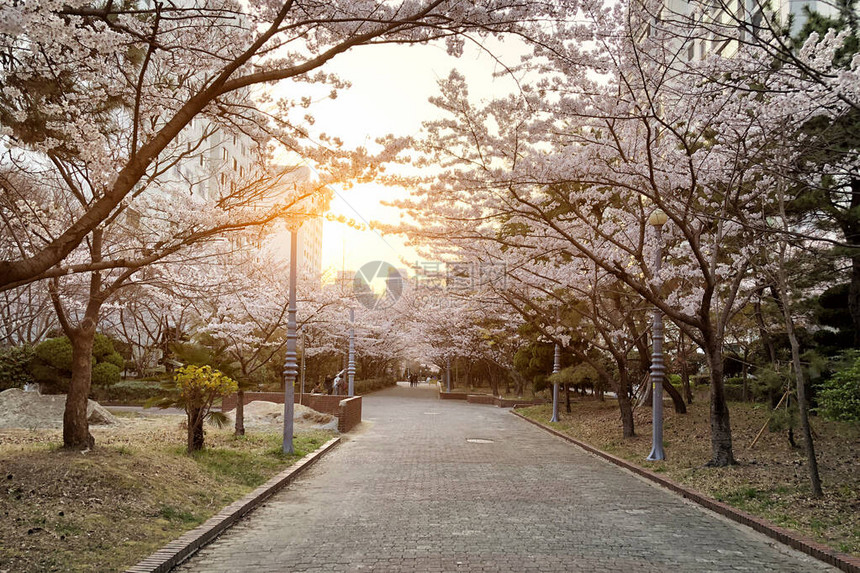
point(760, 432)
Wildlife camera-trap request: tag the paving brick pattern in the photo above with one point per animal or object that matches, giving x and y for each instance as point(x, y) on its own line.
point(410, 493)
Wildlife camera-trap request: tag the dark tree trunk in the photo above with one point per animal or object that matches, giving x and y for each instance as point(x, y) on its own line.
point(240, 413)
point(623, 395)
point(802, 401)
point(76, 428)
point(762, 329)
point(851, 228)
point(195, 429)
point(854, 295)
point(721, 431)
point(493, 382)
point(685, 368)
point(567, 397)
point(677, 399)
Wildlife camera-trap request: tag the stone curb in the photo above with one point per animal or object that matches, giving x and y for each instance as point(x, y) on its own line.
point(803, 544)
point(182, 548)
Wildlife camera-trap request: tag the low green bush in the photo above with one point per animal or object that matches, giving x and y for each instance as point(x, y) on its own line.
point(14, 366)
point(128, 392)
point(733, 392)
point(52, 364)
point(105, 374)
point(839, 397)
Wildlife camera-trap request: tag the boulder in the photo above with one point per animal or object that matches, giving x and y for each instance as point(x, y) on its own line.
point(31, 410)
point(262, 413)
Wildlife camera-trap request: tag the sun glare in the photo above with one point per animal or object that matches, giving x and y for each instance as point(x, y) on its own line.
point(390, 88)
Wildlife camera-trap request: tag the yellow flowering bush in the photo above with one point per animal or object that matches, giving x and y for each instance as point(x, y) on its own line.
point(195, 388)
point(200, 385)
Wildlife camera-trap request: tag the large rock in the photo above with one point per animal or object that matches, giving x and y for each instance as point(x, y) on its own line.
point(31, 410)
point(262, 413)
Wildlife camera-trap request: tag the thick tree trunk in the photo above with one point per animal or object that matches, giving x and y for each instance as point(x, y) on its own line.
point(567, 397)
point(76, 428)
point(240, 413)
point(195, 430)
point(721, 431)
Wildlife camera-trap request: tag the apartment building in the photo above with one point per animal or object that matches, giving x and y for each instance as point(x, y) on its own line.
point(726, 23)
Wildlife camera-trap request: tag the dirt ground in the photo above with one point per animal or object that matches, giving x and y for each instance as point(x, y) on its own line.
point(770, 479)
point(105, 509)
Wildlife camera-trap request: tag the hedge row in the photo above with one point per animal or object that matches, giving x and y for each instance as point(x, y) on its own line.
point(372, 384)
point(128, 392)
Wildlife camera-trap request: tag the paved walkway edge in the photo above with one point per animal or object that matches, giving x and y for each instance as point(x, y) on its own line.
point(803, 544)
point(185, 546)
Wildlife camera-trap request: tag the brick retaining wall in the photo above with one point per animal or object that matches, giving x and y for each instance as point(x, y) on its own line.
point(510, 403)
point(346, 410)
point(481, 399)
point(488, 399)
point(349, 413)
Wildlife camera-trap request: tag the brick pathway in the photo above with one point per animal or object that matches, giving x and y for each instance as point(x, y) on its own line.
point(410, 493)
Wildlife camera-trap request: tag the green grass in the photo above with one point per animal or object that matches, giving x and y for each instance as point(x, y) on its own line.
point(135, 492)
point(171, 513)
point(251, 460)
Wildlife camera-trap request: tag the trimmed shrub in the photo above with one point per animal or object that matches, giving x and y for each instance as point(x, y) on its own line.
point(128, 392)
point(371, 384)
point(105, 374)
point(56, 353)
point(15, 367)
point(52, 363)
point(839, 398)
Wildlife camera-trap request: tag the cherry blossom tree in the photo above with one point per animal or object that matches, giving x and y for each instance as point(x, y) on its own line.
point(99, 94)
point(607, 135)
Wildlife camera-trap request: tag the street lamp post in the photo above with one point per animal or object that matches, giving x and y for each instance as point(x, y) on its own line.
point(350, 365)
point(302, 369)
point(556, 367)
point(290, 365)
point(657, 219)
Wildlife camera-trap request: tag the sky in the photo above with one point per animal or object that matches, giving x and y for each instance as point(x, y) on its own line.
point(389, 94)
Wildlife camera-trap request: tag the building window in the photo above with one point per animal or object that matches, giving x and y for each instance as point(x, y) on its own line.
point(224, 153)
point(201, 160)
point(235, 164)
